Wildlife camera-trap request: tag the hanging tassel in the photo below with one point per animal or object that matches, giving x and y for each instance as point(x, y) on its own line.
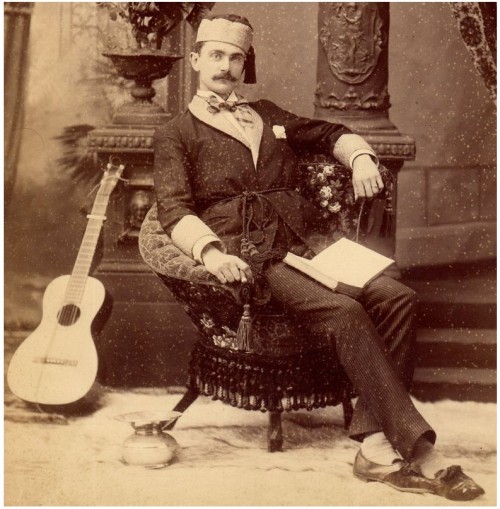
point(244, 339)
point(247, 249)
point(250, 73)
point(387, 220)
point(244, 332)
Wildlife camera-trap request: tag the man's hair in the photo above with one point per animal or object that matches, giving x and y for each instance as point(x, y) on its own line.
point(198, 46)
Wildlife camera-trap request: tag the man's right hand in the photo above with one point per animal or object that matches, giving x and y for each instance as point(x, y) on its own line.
point(227, 268)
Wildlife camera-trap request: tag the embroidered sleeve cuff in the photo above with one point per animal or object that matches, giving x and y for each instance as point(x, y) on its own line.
point(188, 231)
point(201, 243)
point(350, 146)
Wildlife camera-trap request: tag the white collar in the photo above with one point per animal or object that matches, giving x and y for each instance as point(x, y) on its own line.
point(209, 93)
point(226, 122)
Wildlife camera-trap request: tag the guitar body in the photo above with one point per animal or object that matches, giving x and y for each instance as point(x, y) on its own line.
point(57, 364)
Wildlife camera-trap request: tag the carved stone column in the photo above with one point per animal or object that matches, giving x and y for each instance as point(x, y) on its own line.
point(352, 77)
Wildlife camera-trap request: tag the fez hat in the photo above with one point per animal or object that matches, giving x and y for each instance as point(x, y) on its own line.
point(234, 30)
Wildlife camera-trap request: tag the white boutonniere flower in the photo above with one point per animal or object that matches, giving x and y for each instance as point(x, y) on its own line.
point(279, 132)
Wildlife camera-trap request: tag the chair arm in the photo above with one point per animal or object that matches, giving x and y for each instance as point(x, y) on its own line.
point(328, 185)
point(169, 262)
point(163, 257)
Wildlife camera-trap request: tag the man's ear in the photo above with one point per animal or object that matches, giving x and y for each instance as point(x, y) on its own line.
point(193, 58)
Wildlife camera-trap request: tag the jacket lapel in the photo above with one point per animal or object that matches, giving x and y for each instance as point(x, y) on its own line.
point(255, 135)
point(198, 107)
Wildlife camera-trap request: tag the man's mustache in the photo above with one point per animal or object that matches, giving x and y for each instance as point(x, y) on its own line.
point(227, 76)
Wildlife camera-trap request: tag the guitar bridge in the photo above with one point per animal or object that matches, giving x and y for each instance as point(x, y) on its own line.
point(55, 360)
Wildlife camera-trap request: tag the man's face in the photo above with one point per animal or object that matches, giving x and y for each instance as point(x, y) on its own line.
point(220, 66)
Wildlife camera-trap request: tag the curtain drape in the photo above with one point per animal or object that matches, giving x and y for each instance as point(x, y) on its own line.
point(17, 17)
point(477, 22)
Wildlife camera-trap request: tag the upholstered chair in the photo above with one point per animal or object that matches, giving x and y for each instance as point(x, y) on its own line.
point(281, 373)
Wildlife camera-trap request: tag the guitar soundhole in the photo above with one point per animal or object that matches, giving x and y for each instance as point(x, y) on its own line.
point(68, 315)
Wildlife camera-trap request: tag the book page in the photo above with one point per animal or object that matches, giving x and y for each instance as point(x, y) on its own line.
point(350, 263)
point(306, 267)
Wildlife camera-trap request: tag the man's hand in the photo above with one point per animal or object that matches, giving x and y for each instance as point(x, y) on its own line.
point(227, 268)
point(366, 178)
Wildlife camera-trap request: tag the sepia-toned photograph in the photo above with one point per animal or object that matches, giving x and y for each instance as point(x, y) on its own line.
point(250, 254)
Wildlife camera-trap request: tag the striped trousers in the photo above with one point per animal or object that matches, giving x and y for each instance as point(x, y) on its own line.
point(374, 339)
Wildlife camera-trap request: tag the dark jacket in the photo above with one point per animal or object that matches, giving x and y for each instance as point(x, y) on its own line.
point(203, 171)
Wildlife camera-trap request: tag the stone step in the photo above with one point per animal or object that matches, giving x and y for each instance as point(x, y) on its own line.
point(431, 384)
point(462, 295)
point(456, 348)
point(456, 314)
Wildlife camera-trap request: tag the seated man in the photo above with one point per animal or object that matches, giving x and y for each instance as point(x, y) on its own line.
point(225, 173)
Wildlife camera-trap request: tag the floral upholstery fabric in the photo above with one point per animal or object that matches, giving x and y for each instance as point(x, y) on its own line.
point(215, 309)
point(163, 257)
point(280, 374)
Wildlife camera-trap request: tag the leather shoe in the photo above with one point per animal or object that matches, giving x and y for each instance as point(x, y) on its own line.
point(453, 484)
point(399, 475)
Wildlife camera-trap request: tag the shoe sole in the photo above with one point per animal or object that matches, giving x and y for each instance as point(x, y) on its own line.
point(405, 490)
point(462, 497)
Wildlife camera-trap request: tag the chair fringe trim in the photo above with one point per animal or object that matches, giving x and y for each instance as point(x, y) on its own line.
point(252, 382)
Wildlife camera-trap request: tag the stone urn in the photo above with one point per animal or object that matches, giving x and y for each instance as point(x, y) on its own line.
point(143, 66)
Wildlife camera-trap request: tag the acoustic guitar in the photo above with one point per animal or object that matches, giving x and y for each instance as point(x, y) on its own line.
point(57, 363)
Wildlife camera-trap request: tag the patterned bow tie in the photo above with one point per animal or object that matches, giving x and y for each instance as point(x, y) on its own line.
point(238, 108)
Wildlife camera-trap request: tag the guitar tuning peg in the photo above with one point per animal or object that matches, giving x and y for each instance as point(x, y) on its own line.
point(121, 167)
point(108, 166)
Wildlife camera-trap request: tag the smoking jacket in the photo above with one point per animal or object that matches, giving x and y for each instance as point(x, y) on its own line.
point(205, 168)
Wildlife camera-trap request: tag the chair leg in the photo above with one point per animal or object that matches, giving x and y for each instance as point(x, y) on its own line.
point(348, 412)
point(186, 401)
point(274, 433)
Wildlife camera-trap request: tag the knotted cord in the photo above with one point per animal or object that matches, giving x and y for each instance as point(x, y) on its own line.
point(248, 249)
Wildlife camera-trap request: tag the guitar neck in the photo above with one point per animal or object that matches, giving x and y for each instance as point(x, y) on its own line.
point(86, 253)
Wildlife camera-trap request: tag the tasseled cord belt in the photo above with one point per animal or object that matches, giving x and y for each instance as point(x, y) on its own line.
point(252, 256)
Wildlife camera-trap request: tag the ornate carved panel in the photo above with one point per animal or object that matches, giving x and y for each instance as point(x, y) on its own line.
point(353, 99)
point(352, 39)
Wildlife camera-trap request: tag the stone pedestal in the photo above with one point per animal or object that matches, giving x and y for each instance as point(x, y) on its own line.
point(147, 332)
point(352, 81)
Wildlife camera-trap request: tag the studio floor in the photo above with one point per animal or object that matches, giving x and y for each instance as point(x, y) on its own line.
point(222, 459)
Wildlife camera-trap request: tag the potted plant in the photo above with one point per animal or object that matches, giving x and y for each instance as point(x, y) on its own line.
point(150, 23)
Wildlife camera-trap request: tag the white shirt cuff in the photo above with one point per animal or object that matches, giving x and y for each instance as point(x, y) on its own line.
point(350, 146)
point(188, 231)
point(360, 152)
point(202, 242)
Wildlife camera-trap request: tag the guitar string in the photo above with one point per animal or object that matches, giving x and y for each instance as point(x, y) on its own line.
point(64, 319)
point(71, 309)
point(104, 197)
point(57, 323)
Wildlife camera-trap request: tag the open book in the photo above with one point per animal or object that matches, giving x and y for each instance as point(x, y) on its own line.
point(345, 266)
